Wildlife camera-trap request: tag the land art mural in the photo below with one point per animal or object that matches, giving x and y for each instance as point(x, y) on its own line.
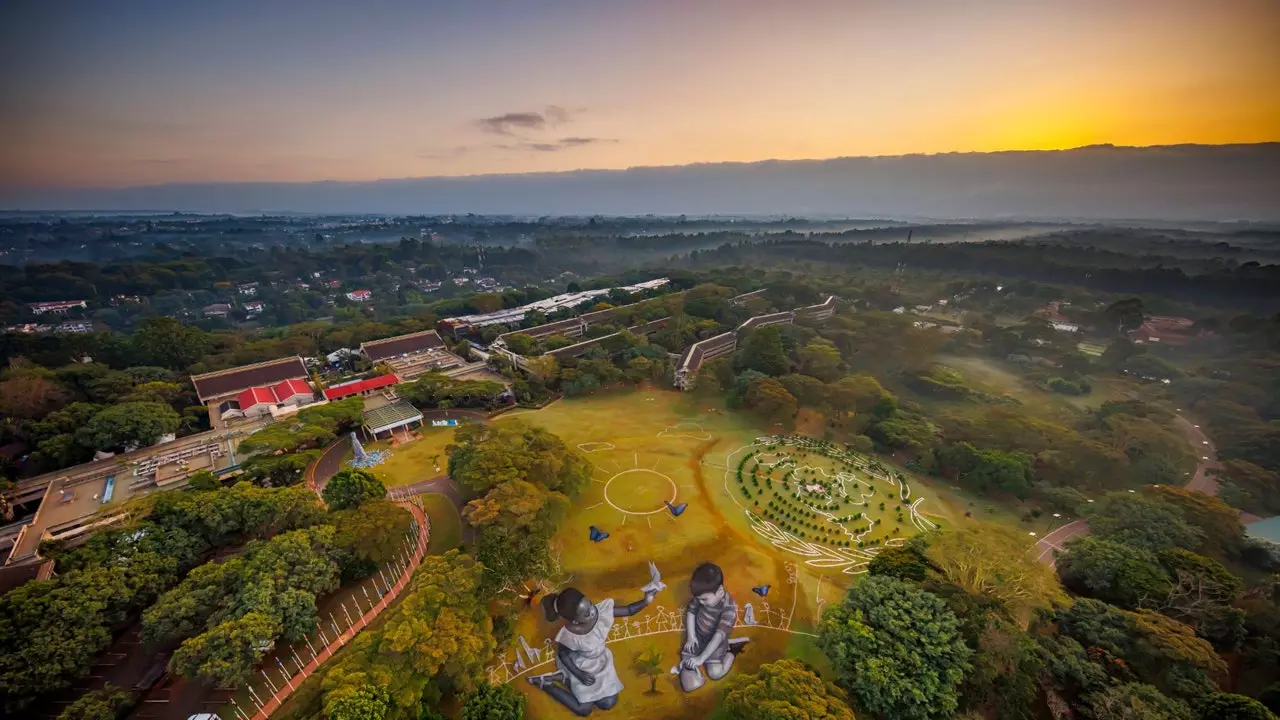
point(701, 549)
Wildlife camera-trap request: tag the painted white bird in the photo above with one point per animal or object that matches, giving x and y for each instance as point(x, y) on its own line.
point(655, 583)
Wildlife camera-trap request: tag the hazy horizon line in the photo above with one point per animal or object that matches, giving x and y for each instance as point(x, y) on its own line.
point(629, 168)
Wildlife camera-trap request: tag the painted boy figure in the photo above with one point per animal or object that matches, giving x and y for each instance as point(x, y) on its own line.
point(709, 618)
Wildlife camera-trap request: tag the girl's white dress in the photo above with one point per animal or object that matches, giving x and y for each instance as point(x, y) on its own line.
point(591, 655)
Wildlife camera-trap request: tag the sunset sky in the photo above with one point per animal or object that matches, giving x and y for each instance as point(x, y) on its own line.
point(103, 93)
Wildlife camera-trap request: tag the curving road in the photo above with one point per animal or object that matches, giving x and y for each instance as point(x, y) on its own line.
point(1200, 481)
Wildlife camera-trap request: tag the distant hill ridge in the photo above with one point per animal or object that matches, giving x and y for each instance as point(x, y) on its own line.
point(1175, 182)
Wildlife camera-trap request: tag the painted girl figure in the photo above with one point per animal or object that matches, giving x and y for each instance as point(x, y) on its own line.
point(585, 677)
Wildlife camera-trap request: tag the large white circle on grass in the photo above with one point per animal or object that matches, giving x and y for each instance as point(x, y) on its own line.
point(639, 474)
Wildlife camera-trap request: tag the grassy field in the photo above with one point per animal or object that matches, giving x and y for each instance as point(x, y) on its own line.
point(416, 460)
point(446, 524)
point(1092, 349)
point(650, 448)
point(994, 378)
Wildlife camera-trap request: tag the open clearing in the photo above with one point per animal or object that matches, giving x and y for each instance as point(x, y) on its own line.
point(655, 453)
point(416, 460)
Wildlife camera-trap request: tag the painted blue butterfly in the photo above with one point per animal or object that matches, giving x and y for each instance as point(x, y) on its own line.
point(761, 590)
point(677, 510)
point(597, 534)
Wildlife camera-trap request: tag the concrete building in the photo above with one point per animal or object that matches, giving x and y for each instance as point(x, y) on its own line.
point(412, 355)
point(56, 307)
point(258, 401)
point(360, 387)
point(226, 384)
point(76, 327)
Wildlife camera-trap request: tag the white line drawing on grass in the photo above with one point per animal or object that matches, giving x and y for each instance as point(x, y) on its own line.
point(818, 495)
point(687, 429)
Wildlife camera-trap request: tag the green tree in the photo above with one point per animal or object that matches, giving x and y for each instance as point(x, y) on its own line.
point(1142, 522)
point(906, 562)
point(1125, 575)
point(1250, 487)
point(1229, 706)
point(762, 351)
point(108, 703)
point(1127, 314)
point(896, 649)
point(1201, 594)
point(352, 488)
point(486, 455)
point(1222, 534)
point(522, 344)
point(768, 398)
point(494, 702)
point(991, 561)
point(368, 536)
point(1135, 701)
point(203, 480)
point(30, 396)
point(820, 360)
point(1159, 650)
point(168, 343)
point(129, 424)
point(358, 702)
point(784, 690)
point(227, 654)
point(438, 638)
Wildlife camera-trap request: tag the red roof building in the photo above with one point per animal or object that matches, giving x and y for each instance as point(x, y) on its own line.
point(361, 387)
point(294, 392)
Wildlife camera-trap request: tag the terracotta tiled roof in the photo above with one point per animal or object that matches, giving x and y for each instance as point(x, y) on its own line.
point(378, 350)
point(233, 381)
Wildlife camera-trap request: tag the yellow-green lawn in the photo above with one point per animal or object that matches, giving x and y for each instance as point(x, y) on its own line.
point(651, 446)
point(416, 460)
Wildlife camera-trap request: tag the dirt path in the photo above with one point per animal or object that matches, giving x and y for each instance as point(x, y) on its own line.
point(1200, 481)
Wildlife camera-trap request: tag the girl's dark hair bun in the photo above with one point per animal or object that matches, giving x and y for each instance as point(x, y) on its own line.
point(549, 606)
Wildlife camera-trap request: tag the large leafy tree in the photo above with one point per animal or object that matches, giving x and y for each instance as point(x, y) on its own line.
point(1250, 487)
point(1229, 706)
point(1142, 522)
point(991, 561)
point(784, 690)
point(439, 637)
point(363, 701)
point(30, 396)
point(820, 360)
point(493, 454)
point(168, 343)
point(897, 649)
point(1222, 534)
point(762, 351)
point(128, 424)
point(1159, 650)
point(227, 654)
point(1121, 574)
point(1202, 594)
point(770, 399)
point(368, 536)
point(494, 702)
point(108, 703)
point(905, 562)
point(352, 488)
point(238, 608)
point(1135, 701)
